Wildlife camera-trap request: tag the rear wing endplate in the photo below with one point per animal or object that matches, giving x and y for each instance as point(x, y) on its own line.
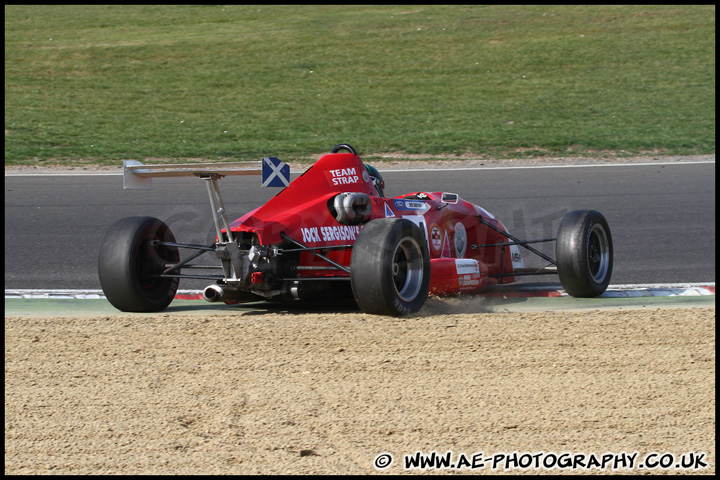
point(138, 176)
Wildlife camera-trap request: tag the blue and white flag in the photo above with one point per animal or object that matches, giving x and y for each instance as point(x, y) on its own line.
point(275, 172)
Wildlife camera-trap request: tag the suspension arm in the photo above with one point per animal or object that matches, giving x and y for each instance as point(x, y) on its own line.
point(506, 244)
point(517, 241)
point(315, 252)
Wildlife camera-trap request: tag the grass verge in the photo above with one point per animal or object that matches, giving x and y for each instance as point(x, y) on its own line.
point(99, 83)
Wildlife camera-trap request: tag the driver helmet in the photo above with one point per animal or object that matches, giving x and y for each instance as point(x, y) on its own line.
point(377, 179)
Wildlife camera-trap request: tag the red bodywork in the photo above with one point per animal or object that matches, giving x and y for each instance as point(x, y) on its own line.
point(457, 241)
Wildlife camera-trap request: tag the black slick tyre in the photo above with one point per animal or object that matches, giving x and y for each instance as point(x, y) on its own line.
point(129, 263)
point(584, 253)
point(390, 267)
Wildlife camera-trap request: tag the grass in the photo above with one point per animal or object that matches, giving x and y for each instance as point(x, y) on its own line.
point(99, 83)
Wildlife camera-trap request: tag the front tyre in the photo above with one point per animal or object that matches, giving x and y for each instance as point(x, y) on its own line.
point(584, 252)
point(130, 262)
point(390, 267)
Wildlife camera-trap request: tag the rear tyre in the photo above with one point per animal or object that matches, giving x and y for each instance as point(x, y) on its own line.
point(584, 252)
point(129, 263)
point(390, 267)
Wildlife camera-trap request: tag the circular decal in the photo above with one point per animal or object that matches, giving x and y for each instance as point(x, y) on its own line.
point(460, 240)
point(365, 175)
point(435, 238)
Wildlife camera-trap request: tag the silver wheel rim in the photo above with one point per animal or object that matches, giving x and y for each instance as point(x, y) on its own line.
point(598, 249)
point(407, 269)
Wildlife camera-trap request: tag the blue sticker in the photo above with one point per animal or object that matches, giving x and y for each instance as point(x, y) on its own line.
point(275, 172)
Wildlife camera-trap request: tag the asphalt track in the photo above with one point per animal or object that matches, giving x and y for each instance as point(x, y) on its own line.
point(662, 217)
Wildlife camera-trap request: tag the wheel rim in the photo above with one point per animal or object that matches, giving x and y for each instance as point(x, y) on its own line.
point(598, 253)
point(407, 269)
point(151, 261)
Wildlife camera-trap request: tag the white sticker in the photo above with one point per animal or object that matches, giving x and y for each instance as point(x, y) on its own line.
point(419, 220)
point(517, 260)
point(467, 266)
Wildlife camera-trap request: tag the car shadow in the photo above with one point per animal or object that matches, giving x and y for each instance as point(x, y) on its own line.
point(493, 300)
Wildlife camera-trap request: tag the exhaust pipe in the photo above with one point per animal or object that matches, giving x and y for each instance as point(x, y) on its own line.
point(227, 294)
point(214, 293)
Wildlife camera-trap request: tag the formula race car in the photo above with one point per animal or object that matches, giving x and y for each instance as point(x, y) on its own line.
point(332, 228)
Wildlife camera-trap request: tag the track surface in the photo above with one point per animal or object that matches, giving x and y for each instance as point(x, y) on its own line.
point(203, 390)
point(662, 216)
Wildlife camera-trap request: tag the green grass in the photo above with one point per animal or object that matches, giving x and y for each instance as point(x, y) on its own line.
point(103, 83)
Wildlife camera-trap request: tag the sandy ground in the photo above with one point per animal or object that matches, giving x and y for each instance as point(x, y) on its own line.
point(326, 393)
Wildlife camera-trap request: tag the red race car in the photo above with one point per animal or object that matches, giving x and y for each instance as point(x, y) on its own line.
point(333, 228)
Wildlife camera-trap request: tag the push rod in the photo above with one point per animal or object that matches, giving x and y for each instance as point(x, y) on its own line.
point(315, 252)
point(518, 241)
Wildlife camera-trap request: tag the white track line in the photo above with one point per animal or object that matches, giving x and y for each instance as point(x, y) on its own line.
point(624, 291)
point(527, 167)
point(404, 170)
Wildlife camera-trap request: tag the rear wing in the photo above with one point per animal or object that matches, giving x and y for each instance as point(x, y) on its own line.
point(275, 173)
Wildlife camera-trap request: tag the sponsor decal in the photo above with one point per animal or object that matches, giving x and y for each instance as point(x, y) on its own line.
point(467, 266)
point(419, 220)
point(422, 196)
point(388, 212)
point(342, 176)
point(412, 205)
point(517, 260)
point(409, 205)
point(460, 240)
point(435, 238)
point(468, 281)
point(330, 234)
point(365, 175)
point(468, 271)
